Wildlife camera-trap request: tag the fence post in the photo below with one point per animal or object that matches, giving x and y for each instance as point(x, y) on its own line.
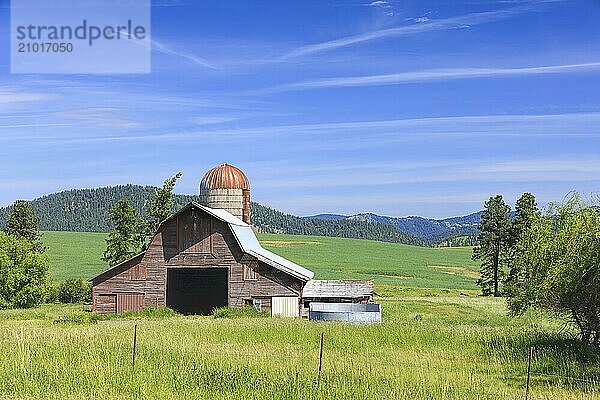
point(321, 357)
point(528, 373)
point(134, 347)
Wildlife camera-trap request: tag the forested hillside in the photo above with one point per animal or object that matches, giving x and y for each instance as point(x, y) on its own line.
point(85, 210)
point(272, 221)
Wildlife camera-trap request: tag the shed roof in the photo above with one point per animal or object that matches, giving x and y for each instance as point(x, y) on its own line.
point(338, 289)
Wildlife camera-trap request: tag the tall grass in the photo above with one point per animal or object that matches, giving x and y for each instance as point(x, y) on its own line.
point(430, 347)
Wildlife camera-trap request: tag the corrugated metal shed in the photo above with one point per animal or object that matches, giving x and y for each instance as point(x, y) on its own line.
point(315, 289)
point(354, 313)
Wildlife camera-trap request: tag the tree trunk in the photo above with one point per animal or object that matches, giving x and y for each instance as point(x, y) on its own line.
point(496, 262)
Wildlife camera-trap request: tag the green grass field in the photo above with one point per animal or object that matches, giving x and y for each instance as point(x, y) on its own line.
point(438, 340)
point(77, 255)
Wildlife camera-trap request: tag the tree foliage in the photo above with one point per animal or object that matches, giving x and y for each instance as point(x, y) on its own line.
point(558, 261)
point(493, 246)
point(126, 239)
point(23, 222)
point(526, 211)
point(74, 291)
point(162, 204)
point(23, 273)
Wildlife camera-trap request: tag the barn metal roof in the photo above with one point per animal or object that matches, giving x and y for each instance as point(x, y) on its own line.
point(221, 214)
point(338, 289)
point(250, 245)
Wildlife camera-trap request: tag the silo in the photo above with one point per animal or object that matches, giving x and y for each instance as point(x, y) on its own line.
point(227, 187)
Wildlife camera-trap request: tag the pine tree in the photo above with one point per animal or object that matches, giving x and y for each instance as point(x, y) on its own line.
point(125, 241)
point(526, 211)
point(23, 223)
point(493, 244)
point(162, 204)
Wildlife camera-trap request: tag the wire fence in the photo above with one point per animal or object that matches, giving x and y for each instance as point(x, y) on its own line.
point(325, 365)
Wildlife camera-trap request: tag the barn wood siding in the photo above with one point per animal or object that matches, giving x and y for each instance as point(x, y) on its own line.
point(105, 303)
point(130, 302)
point(163, 252)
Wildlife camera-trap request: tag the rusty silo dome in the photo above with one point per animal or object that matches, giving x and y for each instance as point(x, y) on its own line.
point(227, 187)
point(225, 176)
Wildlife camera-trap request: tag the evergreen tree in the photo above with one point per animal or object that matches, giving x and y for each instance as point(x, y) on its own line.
point(526, 211)
point(493, 244)
point(162, 204)
point(23, 222)
point(125, 241)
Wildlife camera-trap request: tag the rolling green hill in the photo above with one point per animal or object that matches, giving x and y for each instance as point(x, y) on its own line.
point(77, 255)
point(85, 210)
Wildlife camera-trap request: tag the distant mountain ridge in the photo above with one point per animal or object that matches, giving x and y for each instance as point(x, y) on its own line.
point(85, 210)
point(432, 230)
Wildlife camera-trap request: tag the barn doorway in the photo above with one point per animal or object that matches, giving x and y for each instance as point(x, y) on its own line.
point(196, 290)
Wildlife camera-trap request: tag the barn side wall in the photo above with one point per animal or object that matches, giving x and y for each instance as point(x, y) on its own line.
point(217, 248)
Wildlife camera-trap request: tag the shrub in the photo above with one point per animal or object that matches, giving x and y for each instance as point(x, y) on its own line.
point(23, 273)
point(74, 291)
point(51, 295)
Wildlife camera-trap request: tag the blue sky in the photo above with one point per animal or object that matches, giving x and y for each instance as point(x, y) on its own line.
point(394, 107)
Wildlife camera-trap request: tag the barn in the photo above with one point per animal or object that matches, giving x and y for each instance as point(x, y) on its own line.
point(204, 257)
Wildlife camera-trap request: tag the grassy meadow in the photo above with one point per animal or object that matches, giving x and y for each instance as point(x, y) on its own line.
point(438, 340)
point(77, 255)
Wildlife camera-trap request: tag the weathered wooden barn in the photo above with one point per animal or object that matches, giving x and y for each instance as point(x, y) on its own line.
point(202, 258)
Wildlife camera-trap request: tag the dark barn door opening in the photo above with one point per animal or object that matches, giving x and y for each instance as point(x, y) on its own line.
point(196, 290)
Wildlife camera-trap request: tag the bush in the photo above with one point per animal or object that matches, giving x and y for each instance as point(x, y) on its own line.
point(74, 291)
point(23, 273)
point(51, 295)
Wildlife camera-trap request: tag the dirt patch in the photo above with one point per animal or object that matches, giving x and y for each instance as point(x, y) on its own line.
point(282, 243)
point(393, 276)
point(457, 271)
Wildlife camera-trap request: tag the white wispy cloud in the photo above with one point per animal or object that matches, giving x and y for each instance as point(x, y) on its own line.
point(10, 96)
point(379, 3)
point(430, 25)
point(163, 48)
point(376, 133)
point(579, 169)
point(16, 126)
point(430, 75)
point(106, 117)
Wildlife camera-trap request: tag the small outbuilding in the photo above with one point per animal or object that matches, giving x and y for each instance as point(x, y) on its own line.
point(337, 291)
point(340, 300)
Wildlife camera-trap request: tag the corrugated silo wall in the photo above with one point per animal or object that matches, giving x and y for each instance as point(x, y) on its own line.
point(231, 200)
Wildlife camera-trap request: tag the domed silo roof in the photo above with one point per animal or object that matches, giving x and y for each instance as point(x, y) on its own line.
point(225, 176)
